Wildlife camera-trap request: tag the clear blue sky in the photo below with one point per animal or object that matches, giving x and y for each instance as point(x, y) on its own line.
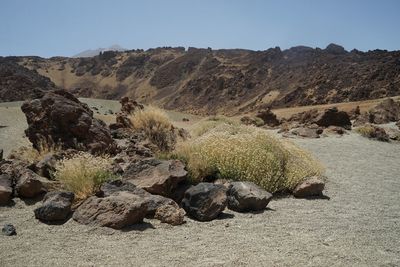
point(60, 27)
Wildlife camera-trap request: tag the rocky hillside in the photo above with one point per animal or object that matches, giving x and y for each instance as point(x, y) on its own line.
point(229, 81)
point(20, 83)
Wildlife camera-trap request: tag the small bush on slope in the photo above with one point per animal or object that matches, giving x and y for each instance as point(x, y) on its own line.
point(83, 173)
point(154, 123)
point(246, 153)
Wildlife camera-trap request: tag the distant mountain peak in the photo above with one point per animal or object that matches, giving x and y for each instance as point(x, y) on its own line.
point(95, 52)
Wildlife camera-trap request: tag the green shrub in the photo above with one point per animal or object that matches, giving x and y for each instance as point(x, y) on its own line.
point(247, 153)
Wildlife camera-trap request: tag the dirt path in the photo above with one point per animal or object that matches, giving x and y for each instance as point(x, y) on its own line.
point(358, 226)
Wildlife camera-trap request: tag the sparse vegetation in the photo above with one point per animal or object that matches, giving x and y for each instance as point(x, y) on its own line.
point(155, 124)
point(83, 173)
point(373, 132)
point(240, 152)
point(32, 155)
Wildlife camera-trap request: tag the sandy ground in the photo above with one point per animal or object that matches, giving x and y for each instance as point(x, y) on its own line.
point(358, 226)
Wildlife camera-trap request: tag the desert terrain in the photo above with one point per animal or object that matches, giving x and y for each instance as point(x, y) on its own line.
point(356, 224)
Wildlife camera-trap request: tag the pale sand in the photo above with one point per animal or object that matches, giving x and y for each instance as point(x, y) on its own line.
point(358, 226)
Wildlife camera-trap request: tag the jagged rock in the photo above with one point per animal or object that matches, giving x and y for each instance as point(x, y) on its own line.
point(161, 179)
point(386, 111)
point(117, 211)
point(60, 117)
point(246, 196)
point(5, 189)
point(205, 201)
point(268, 117)
point(312, 187)
point(29, 184)
point(1, 154)
point(8, 230)
point(170, 214)
point(56, 206)
point(334, 117)
point(398, 124)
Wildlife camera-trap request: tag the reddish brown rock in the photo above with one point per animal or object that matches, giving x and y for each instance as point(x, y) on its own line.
point(312, 187)
point(161, 179)
point(117, 211)
point(170, 214)
point(333, 117)
point(29, 184)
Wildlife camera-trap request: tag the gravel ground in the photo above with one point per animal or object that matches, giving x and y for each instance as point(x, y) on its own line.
point(358, 226)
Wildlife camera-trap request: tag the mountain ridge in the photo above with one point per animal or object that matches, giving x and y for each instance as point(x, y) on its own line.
point(227, 81)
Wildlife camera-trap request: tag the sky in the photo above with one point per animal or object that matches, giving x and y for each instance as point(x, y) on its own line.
point(66, 27)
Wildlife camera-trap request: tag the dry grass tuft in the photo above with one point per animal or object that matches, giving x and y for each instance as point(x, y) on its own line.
point(83, 173)
point(155, 124)
point(247, 153)
point(32, 155)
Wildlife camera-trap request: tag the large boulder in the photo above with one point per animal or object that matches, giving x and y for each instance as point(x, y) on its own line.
point(246, 196)
point(153, 201)
point(161, 179)
point(29, 184)
point(56, 206)
point(311, 187)
point(129, 105)
point(119, 210)
point(205, 201)
point(60, 117)
point(5, 189)
point(334, 117)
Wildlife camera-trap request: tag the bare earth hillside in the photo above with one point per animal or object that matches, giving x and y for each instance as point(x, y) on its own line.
point(230, 81)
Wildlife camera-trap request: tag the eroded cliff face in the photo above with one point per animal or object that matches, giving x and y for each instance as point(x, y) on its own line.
point(230, 81)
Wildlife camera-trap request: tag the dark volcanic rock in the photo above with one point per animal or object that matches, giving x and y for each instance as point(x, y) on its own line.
point(60, 117)
point(334, 117)
point(5, 189)
point(246, 196)
point(205, 201)
point(56, 206)
point(268, 117)
point(8, 230)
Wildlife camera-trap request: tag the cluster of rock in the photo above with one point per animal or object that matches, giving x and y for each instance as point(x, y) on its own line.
point(314, 123)
point(147, 187)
